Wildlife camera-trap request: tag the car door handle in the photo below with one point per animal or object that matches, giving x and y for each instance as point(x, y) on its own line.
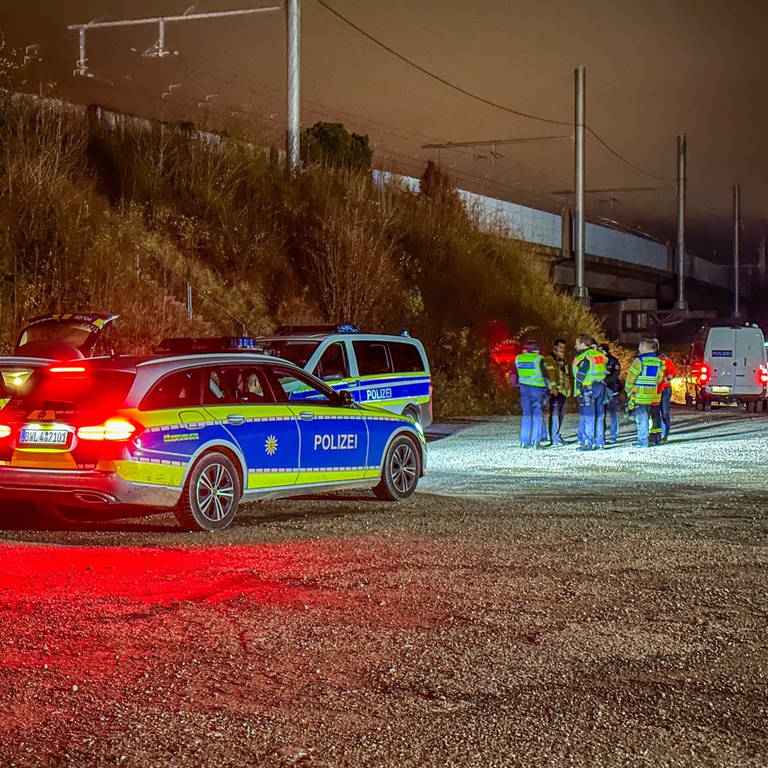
point(234, 419)
point(306, 416)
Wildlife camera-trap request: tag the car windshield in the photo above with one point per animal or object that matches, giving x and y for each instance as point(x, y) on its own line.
point(298, 352)
point(75, 390)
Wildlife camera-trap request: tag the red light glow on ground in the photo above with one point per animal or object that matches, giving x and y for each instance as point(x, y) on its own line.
point(86, 628)
point(147, 575)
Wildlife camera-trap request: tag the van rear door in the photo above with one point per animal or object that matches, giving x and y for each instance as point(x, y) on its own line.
point(749, 355)
point(719, 355)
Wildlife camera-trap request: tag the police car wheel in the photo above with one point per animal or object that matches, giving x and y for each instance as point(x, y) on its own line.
point(211, 494)
point(402, 468)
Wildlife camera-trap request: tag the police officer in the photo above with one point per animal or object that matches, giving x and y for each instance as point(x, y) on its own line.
point(589, 390)
point(559, 373)
point(643, 379)
point(534, 387)
point(666, 394)
point(613, 387)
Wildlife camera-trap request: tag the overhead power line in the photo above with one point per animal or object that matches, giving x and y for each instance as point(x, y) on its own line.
point(624, 160)
point(482, 99)
point(439, 79)
point(158, 49)
point(493, 142)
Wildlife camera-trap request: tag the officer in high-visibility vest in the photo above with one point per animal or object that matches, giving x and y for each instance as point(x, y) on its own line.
point(534, 387)
point(589, 391)
point(666, 394)
point(642, 385)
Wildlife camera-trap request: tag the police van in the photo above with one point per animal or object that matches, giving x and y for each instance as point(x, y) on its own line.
point(728, 365)
point(391, 372)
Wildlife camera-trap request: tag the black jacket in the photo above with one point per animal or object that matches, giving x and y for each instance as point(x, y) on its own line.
point(613, 381)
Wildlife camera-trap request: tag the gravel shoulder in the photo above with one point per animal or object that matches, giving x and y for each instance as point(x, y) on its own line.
point(609, 613)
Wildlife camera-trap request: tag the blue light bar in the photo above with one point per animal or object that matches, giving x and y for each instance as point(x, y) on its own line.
point(242, 343)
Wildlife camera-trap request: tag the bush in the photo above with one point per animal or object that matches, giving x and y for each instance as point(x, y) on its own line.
point(332, 145)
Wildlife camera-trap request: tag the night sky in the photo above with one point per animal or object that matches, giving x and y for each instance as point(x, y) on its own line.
point(654, 70)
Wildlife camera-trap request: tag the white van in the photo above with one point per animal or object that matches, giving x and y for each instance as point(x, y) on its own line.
point(728, 365)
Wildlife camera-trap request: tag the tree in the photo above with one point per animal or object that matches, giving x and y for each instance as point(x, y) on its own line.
point(331, 144)
point(438, 194)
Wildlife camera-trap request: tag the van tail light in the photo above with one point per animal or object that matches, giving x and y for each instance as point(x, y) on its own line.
point(762, 377)
point(704, 373)
point(115, 430)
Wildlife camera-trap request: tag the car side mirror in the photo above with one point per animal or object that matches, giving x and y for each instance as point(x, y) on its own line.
point(345, 398)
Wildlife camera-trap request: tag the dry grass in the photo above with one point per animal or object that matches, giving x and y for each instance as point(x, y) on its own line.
point(104, 218)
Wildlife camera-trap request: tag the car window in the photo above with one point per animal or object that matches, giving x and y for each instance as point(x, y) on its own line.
point(246, 384)
point(372, 357)
point(292, 386)
point(332, 365)
point(180, 389)
point(405, 357)
point(298, 352)
point(213, 388)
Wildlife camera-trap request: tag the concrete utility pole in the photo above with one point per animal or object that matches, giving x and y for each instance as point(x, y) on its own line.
point(736, 232)
point(580, 292)
point(680, 303)
point(293, 26)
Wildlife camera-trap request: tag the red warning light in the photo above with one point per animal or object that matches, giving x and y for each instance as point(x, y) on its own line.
point(505, 353)
point(67, 369)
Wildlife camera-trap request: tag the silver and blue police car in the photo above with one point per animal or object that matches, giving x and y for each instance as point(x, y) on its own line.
point(195, 433)
point(391, 372)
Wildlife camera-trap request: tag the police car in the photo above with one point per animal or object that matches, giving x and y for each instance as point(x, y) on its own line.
point(196, 434)
point(389, 371)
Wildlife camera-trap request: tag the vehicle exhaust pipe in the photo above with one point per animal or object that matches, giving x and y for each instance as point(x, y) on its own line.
point(95, 498)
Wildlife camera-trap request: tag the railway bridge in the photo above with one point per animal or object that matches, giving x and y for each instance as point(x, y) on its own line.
point(631, 278)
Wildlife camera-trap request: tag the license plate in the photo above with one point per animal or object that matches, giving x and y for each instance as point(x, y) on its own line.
point(33, 436)
point(719, 390)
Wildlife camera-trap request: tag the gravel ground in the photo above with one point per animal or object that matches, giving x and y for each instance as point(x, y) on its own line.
point(524, 608)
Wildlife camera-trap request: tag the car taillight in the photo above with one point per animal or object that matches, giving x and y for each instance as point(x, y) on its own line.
point(112, 429)
point(5, 431)
point(704, 373)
